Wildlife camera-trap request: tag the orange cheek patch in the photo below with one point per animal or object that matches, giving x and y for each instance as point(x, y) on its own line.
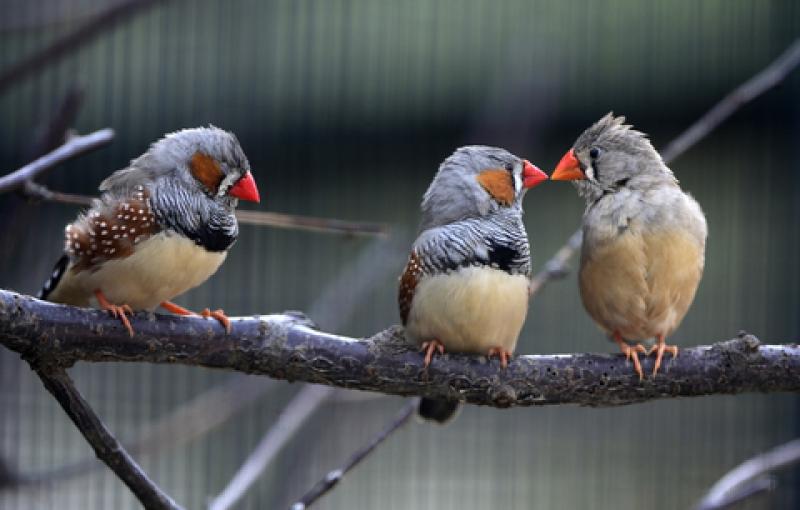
point(499, 184)
point(206, 170)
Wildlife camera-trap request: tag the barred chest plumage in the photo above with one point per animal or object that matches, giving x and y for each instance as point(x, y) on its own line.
point(466, 284)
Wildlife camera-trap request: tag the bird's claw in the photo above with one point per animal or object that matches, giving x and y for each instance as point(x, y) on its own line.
point(502, 354)
point(117, 311)
point(430, 346)
point(632, 354)
point(660, 348)
point(220, 316)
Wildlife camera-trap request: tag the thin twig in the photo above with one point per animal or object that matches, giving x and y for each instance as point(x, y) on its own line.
point(312, 224)
point(71, 149)
point(747, 479)
point(63, 46)
point(187, 423)
point(53, 133)
point(107, 448)
point(333, 477)
point(770, 76)
point(332, 312)
point(299, 410)
point(746, 92)
point(23, 179)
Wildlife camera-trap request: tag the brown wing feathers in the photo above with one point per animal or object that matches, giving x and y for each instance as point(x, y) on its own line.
point(408, 283)
point(110, 231)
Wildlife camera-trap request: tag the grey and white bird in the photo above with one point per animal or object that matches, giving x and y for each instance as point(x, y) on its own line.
point(162, 226)
point(643, 237)
point(465, 287)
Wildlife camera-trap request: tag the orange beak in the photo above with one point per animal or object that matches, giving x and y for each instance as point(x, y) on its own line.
point(568, 168)
point(531, 175)
point(245, 189)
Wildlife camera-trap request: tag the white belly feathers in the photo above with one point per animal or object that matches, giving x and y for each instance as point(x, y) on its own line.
point(469, 310)
point(162, 267)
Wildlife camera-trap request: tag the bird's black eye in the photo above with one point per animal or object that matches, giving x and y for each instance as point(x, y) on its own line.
point(594, 152)
point(510, 167)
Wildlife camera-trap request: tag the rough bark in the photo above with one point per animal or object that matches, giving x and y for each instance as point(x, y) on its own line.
point(287, 347)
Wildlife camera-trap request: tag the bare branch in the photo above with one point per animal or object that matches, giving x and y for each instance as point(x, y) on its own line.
point(329, 310)
point(312, 224)
point(334, 477)
point(557, 266)
point(746, 92)
point(71, 149)
point(286, 347)
point(749, 478)
point(107, 448)
point(24, 177)
point(65, 45)
point(299, 410)
point(53, 133)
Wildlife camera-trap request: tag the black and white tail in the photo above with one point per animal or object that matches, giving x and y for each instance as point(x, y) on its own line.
point(58, 271)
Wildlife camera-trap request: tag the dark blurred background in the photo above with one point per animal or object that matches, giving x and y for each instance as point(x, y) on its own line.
point(345, 109)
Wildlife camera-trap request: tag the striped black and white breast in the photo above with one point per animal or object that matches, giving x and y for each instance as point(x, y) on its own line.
point(498, 241)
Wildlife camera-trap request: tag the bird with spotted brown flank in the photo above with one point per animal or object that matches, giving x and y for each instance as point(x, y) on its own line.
point(644, 238)
point(162, 226)
point(465, 286)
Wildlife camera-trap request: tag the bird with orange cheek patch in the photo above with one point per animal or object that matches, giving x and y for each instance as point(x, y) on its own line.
point(643, 238)
point(162, 226)
point(465, 287)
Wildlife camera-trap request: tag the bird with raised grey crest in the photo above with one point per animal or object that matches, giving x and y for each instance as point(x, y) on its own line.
point(465, 286)
point(644, 238)
point(162, 226)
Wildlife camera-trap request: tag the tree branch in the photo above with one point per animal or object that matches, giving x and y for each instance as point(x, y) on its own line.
point(71, 149)
point(23, 179)
point(356, 280)
point(334, 477)
point(299, 410)
point(748, 478)
point(286, 347)
point(63, 46)
point(106, 447)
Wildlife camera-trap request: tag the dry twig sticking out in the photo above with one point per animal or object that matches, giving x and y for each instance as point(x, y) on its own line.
point(334, 477)
point(764, 80)
point(750, 477)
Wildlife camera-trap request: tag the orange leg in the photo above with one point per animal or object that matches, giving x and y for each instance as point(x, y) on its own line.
point(429, 347)
point(501, 353)
point(659, 348)
point(631, 353)
point(219, 315)
point(117, 311)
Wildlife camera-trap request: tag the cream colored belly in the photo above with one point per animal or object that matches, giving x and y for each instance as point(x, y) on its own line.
point(641, 285)
point(470, 310)
point(161, 268)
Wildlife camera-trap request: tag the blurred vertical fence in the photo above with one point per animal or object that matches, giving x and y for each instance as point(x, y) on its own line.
point(345, 108)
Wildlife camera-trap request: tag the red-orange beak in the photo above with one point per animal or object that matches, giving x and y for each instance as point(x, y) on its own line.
point(531, 175)
point(568, 168)
point(245, 189)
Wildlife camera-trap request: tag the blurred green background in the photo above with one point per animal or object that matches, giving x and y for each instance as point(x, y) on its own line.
point(345, 109)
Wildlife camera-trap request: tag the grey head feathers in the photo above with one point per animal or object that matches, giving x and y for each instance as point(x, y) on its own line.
point(190, 199)
point(456, 193)
point(614, 156)
point(170, 157)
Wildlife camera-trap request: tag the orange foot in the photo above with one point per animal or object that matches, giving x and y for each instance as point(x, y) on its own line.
point(631, 353)
point(117, 311)
point(429, 347)
point(219, 315)
point(501, 353)
point(660, 347)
